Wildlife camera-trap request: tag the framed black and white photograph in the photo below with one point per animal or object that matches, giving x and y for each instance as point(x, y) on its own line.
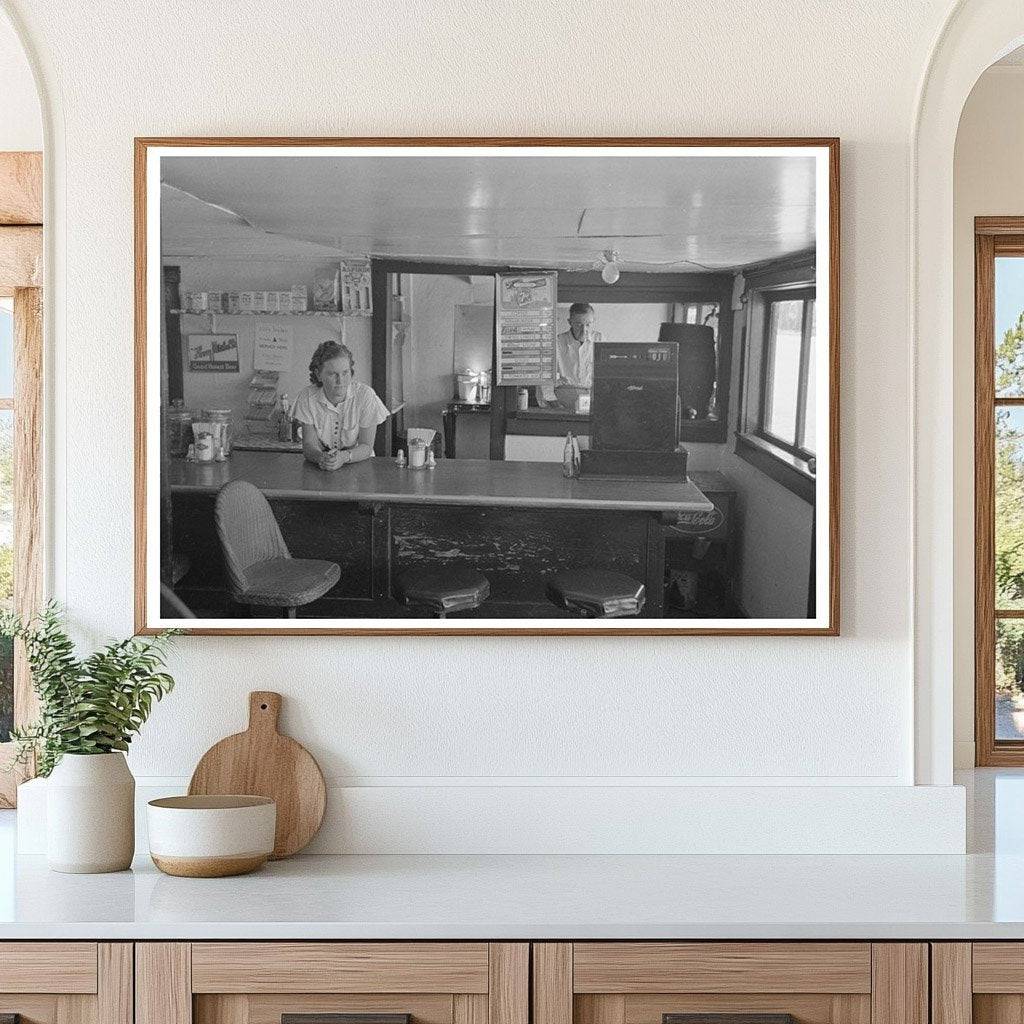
point(487, 386)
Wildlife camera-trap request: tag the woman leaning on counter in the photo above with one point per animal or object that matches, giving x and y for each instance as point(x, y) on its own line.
point(339, 415)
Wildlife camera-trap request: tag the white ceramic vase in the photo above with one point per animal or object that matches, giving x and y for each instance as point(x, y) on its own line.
point(90, 814)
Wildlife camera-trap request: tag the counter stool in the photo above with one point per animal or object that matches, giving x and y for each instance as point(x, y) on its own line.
point(260, 566)
point(442, 590)
point(597, 593)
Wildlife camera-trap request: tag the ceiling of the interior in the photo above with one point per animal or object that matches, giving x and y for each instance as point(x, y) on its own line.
point(661, 213)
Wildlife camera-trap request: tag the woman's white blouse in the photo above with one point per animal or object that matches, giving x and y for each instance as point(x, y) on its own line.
point(338, 426)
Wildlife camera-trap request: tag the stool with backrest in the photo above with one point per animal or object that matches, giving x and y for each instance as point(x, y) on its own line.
point(442, 590)
point(597, 593)
point(260, 567)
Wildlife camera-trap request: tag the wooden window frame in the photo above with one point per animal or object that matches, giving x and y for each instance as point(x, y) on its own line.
point(786, 464)
point(806, 295)
point(993, 236)
point(21, 276)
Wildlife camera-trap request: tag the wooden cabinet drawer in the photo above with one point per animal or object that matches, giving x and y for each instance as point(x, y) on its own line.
point(721, 967)
point(66, 982)
point(48, 967)
point(258, 982)
point(981, 982)
point(815, 982)
point(340, 967)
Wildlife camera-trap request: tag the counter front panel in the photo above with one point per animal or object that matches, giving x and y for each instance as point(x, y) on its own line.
point(517, 523)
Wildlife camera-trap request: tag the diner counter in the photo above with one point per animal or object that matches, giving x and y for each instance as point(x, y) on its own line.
point(467, 482)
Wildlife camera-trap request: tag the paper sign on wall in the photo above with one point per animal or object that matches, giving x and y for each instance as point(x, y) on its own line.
point(524, 312)
point(273, 346)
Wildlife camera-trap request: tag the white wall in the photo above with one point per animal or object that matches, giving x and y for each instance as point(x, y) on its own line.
point(393, 712)
point(21, 125)
point(988, 181)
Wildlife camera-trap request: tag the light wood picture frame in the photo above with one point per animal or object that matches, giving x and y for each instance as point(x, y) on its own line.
point(755, 304)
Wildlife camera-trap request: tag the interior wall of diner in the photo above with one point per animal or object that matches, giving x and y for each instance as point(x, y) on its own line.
point(622, 321)
point(987, 182)
point(430, 385)
point(229, 390)
point(389, 717)
point(776, 527)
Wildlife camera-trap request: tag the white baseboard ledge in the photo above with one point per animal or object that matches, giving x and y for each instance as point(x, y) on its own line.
point(552, 819)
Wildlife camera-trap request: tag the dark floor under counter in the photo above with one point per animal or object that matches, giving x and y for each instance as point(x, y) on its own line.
point(517, 522)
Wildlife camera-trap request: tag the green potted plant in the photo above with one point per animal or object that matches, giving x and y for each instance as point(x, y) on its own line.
point(89, 710)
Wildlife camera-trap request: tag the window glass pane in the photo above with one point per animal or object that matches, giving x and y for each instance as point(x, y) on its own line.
point(1009, 511)
point(6, 566)
point(1009, 679)
point(6, 348)
point(1009, 325)
point(810, 400)
point(785, 325)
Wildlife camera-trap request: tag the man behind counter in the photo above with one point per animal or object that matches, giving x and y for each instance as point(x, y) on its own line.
point(574, 359)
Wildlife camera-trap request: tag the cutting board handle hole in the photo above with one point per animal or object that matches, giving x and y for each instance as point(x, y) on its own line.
point(263, 707)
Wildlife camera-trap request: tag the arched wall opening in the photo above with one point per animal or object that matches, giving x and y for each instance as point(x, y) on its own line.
point(976, 34)
point(987, 182)
point(21, 119)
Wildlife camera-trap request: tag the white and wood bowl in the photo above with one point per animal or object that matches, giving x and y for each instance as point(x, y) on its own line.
point(211, 836)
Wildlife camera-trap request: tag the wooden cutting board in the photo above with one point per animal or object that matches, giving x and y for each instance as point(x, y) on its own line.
point(262, 762)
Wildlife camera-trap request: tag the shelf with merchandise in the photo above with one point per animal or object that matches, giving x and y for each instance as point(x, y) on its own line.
point(362, 313)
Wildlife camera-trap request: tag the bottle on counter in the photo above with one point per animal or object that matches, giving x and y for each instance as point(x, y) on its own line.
point(400, 459)
point(568, 457)
point(284, 419)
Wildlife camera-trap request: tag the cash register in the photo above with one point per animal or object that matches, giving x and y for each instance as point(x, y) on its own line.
point(634, 413)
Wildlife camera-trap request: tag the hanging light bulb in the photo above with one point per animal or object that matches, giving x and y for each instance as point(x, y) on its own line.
point(610, 270)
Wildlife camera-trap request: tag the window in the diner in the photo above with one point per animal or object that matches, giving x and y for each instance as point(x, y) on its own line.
point(788, 391)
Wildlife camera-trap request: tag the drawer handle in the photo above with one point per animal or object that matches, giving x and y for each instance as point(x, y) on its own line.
point(340, 1018)
point(728, 1018)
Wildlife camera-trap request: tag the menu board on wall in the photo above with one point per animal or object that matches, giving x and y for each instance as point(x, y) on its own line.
point(524, 312)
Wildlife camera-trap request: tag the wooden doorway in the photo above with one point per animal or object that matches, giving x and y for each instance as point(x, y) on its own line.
point(21, 279)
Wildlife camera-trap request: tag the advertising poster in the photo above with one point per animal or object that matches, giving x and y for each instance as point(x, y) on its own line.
point(213, 353)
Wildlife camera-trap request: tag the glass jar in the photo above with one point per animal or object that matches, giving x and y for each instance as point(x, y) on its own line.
point(179, 429)
point(221, 420)
point(417, 453)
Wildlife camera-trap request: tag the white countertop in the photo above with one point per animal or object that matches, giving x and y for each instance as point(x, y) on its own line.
point(977, 896)
point(531, 897)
